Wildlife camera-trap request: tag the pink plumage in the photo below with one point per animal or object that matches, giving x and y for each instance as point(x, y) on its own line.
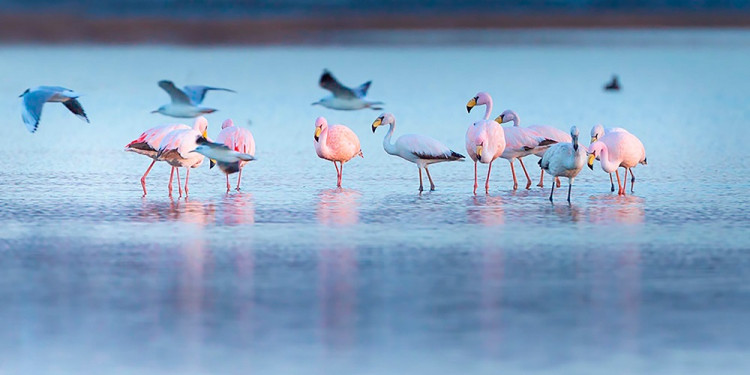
point(237, 139)
point(336, 143)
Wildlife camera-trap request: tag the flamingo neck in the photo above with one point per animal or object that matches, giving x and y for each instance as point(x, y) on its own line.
point(488, 109)
point(607, 165)
point(387, 145)
point(323, 141)
point(516, 120)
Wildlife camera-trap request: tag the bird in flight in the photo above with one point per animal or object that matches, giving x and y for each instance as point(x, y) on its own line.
point(345, 98)
point(34, 99)
point(186, 101)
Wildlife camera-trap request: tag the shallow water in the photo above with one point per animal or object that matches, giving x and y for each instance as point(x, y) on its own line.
point(293, 276)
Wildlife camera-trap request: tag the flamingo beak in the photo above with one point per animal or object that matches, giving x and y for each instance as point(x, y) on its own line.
point(479, 152)
point(499, 119)
point(317, 134)
point(377, 123)
point(211, 163)
point(591, 161)
point(205, 134)
point(593, 139)
point(471, 104)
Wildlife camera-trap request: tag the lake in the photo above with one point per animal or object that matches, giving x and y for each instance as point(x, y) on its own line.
point(292, 275)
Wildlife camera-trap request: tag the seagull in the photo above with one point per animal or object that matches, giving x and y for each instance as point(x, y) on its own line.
point(229, 161)
point(148, 144)
point(336, 143)
point(548, 132)
point(613, 85)
point(237, 139)
point(618, 149)
point(418, 149)
point(185, 102)
point(177, 145)
point(564, 160)
point(345, 98)
point(485, 139)
point(34, 99)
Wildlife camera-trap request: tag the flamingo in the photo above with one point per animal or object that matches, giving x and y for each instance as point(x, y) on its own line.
point(545, 131)
point(237, 139)
point(485, 139)
point(336, 143)
point(564, 159)
point(148, 144)
point(418, 149)
point(618, 149)
point(34, 99)
point(597, 132)
point(177, 145)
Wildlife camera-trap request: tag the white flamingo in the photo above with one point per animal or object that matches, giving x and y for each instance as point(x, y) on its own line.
point(148, 144)
point(545, 131)
point(618, 149)
point(418, 149)
point(564, 160)
point(485, 139)
point(178, 145)
point(336, 143)
point(599, 131)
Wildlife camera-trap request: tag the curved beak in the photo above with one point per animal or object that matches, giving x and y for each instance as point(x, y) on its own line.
point(471, 104)
point(376, 123)
point(205, 135)
point(317, 134)
point(593, 139)
point(591, 161)
point(499, 119)
point(211, 163)
point(575, 143)
point(479, 152)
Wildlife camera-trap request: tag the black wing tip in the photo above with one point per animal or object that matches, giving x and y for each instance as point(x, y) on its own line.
point(456, 155)
point(547, 142)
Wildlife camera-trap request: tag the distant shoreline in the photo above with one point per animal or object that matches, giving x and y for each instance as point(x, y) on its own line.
point(61, 29)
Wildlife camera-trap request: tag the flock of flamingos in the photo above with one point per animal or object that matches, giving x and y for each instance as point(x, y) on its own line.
point(182, 146)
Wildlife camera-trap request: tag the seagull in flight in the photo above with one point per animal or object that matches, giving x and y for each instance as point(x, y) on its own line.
point(344, 98)
point(34, 99)
point(186, 101)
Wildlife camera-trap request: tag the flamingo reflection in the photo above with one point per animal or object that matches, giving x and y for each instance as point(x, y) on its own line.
point(609, 209)
point(486, 210)
point(237, 209)
point(338, 207)
point(180, 210)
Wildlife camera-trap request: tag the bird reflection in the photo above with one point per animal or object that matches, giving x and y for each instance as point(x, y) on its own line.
point(337, 273)
point(181, 210)
point(486, 210)
point(190, 298)
point(237, 209)
point(627, 209)
point(338, 207)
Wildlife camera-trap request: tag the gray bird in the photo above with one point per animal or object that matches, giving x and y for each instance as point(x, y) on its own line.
point(34, 99)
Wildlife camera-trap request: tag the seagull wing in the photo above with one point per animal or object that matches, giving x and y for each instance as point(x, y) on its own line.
point(197, 93)
point(178, 97)
point(74, 106)
point(32, 107)
point(329, 82)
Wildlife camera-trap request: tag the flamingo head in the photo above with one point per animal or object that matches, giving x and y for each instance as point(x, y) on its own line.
point(574, 135)
point(201, 126)
point(596, 132)
point(508, 116)
point(481, 98)
point(594, 151)
point(227, 123)
point(384, 119)
point(320, 125)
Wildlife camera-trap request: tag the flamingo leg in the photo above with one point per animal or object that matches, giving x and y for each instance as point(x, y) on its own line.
point(619, 187)
point(187, 175)
point(557, 181)
point(552, 191)
point(420, 179)
point(632, 180)
point(341, 173)
point(487, 183)
point(611, 181)
point(179, 185)
point(338, 175)
point(229, 187)
point(625, 181)
point(432, 185)
point(239, 178)
point(528, 179)
point(570, 186)
point(143, 179)
point(475, 178)
point(171, 176)
point(541, 179)
point(513, 171)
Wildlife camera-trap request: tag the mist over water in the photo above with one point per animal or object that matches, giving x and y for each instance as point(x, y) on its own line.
point(292, 275)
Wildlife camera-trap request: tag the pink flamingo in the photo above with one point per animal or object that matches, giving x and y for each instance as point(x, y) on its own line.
point(336, 143)
point(177, 146)
point(618, 149)
point(148, 144)
point(237, 139)
point(485, 139)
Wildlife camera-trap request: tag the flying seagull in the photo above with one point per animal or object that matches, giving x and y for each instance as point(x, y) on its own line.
point(185, 102)
point(34, 99)
point(345, 98)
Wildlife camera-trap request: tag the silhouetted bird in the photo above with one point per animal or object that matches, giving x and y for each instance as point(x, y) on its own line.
point(613, 85)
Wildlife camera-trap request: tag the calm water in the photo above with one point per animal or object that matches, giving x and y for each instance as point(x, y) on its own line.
point(293, 276)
